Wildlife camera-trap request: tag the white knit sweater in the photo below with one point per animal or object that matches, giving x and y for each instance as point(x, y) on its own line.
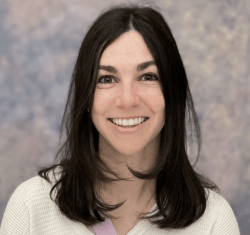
point(31, 211)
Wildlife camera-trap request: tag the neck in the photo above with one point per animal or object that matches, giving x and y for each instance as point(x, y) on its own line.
point(118, 162)
point(134, 191)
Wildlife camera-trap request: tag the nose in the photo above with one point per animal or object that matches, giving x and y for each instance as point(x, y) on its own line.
point(128, 96)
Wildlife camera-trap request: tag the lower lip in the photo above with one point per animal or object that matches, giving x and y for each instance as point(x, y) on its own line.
point(128, 130)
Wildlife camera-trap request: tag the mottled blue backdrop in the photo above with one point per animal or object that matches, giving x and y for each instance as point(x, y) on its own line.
point(39, 41)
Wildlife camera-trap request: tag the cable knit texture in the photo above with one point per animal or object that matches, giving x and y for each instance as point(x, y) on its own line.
point(31, 211)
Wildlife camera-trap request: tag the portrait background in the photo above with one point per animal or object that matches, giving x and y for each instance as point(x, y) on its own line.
point(39, 42)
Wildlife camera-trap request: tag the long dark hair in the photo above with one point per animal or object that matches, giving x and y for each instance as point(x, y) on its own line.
point(180, 191)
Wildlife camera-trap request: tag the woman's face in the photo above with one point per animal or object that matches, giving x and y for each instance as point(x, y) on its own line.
point(128, 108)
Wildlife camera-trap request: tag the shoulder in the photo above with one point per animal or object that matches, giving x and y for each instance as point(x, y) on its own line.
point(36, 187)
point(30, 195)
point(218, 218)
point(28, 190)
point(25, 204)
point(31, 208)
point(215, 202)
point(217, 205)
point(220, 215)
point(32, 185)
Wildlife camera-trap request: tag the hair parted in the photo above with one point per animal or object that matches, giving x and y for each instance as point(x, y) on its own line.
point(180, 191)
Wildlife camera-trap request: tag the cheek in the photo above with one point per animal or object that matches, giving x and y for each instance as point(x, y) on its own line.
point(156, 103)
point(96, 109)
point(155, 100)
point(101, 102)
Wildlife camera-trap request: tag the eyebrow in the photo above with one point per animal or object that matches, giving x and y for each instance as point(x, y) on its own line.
point(140, 67)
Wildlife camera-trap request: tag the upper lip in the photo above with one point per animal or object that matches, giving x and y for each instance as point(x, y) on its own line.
point(128, 117)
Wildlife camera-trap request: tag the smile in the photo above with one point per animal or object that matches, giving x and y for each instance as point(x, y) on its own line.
point(128, 123)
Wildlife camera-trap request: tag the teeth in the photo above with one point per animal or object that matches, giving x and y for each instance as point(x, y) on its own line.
point(120, 122)
point(129, 122)
point(124, 122)
point(136, 121)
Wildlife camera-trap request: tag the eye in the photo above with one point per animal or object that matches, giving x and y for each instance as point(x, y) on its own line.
point(149, 77)
point(106, 79)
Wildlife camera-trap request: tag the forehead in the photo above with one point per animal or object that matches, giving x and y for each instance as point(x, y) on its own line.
point(129, 48)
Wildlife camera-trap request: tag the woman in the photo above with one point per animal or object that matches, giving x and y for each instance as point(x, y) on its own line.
point(124, 164)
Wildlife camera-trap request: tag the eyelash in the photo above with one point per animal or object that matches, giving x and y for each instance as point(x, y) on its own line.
point(142, 76)
point(103, 77)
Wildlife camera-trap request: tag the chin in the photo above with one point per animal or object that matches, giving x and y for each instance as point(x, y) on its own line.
point(129, 149)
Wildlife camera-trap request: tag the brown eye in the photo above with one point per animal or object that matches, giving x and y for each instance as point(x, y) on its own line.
point(149, 77)
point(106, 79)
